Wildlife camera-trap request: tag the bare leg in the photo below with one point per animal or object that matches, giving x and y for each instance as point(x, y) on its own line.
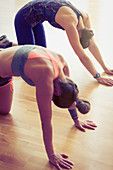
point(6, 95)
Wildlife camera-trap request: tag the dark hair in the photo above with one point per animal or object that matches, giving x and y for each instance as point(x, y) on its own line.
point(68, 94)
point(86, 35)
point(83, 106)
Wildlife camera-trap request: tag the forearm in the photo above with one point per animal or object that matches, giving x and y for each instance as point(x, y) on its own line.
point(44, 93)
point(73, 113)
point(88, 65)
point(47, 137)
point(96, 53)
point(75, 43)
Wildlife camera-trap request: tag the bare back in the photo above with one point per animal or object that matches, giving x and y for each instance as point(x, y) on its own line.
point(34, 67)
point(6, 56)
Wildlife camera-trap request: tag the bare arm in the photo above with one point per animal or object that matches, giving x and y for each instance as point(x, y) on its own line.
point(93, 48)
point(96, 53)
point(75, 43)
point(85, 60)
point(78, 123)
point(44, 93)
point(65, 16)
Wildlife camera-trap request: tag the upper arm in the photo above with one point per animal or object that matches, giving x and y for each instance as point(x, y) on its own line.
point(65, 16)
point(44, 94)
point(68, 20)
point(65, 66)
point(74, 40)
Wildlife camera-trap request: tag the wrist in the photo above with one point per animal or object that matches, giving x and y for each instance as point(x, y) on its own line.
point(76, 121)
point(50, 155)
point(73, 113)
point(105, 68)
point(97, 75)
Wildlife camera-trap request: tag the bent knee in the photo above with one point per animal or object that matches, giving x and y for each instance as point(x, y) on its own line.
point(5, 111)
point(6, 96)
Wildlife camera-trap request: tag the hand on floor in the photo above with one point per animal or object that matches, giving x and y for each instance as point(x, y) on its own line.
point(60, 160)
point(85, 124)
point(105, 81)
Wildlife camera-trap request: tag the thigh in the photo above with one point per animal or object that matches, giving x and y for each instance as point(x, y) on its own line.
point(39, 35)
point(6, 95)
point(24, 31)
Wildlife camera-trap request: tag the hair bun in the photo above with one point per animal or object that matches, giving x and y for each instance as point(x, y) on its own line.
point(83, 106)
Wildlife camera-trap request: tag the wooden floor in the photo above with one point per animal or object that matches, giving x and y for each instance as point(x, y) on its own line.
point(21, 144)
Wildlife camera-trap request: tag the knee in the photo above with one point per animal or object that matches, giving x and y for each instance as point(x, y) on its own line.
point(6, 96)
point(5, 106)
point(5, 111)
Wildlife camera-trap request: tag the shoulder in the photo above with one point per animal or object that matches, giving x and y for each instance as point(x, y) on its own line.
point(42, 74)
point(66, 15)
point(59, 57)
point(85, 15)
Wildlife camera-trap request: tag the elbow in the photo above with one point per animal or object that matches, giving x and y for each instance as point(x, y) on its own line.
point(70, 26)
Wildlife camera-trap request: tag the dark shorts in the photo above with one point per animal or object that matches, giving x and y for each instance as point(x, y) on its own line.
point(4, 81)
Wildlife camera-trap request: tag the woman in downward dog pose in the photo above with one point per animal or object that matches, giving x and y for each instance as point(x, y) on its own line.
point(49, 73)
point(63, 15)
